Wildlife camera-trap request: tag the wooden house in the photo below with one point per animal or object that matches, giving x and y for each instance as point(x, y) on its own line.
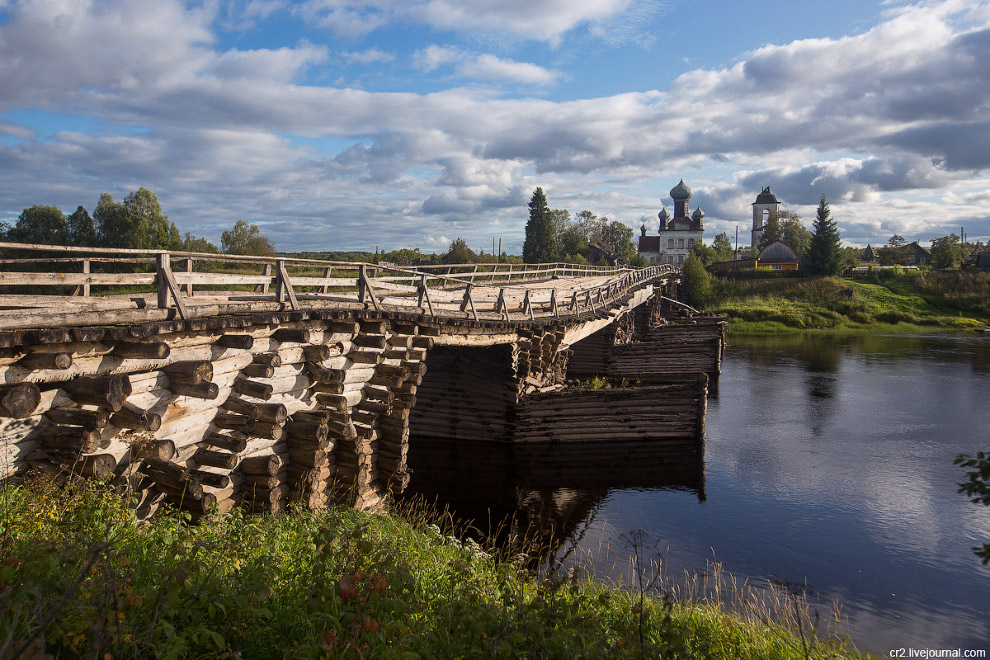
point(778, 256)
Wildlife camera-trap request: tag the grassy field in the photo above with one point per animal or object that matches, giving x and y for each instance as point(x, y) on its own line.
point(901, 303)
point(79, 578)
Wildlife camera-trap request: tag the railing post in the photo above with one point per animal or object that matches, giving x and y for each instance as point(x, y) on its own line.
point(361, 286)
point(189, 270)
point(166, 285)
point(283, 286)
point(424, 295)
point(83, 289)
point(263, 288)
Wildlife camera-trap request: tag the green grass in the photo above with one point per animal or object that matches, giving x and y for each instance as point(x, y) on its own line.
point(904, 303)
point(80, 578)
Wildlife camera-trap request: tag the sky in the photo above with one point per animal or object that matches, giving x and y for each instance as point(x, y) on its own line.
point(350, 124)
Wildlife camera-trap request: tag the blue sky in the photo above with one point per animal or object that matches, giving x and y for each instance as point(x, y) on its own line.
point(337, 124)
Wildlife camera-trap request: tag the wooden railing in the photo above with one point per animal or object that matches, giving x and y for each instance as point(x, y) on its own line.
point(180, 280)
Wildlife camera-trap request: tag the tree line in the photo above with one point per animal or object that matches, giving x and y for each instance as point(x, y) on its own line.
point(551, 235)
point(137, 223)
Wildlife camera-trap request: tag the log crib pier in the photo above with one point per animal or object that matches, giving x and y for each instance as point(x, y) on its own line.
point(210, 381)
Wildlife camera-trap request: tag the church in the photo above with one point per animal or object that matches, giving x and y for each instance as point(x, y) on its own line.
point(677, 234)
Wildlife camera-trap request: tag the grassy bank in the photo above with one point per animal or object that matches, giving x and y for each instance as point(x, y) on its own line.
point(898, 303)
point(79, 578)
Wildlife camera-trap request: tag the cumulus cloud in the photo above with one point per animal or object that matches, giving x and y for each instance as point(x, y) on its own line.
point(483, 66)
point(864, 118)
point(540, 20)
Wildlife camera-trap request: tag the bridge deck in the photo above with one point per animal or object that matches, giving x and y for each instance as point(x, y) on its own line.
point(85, 287)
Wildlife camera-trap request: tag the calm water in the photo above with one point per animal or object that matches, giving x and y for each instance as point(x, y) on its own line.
point(827, 461)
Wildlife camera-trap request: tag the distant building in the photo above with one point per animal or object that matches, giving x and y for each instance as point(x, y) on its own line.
point(677, 234)
point(978, 261)
point(598, 253)
point(919, 255)
point(870, 255)
point(766, 205)
point(778, 256)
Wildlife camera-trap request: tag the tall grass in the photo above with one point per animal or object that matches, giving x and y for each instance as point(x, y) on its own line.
point(80, 578)
point(952, 301)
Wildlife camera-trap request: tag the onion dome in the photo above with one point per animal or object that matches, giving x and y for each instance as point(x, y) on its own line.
point(663, 215)
point(680, 192)
point(766, 197)
point(642, 229)
point(698, 214)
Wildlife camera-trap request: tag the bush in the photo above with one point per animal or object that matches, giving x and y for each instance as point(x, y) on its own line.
point(897, 316)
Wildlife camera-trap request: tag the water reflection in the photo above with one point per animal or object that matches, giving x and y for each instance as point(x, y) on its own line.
point(550, 491)
point(828, 460)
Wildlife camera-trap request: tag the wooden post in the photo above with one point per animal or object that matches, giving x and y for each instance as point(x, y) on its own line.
point(553, 303)
point(263, 288)
point(283, 286)
point(469, 301)
point(364, 287)
point(166, 285)
point(83, 289)
point(424, 295)
point(189, 270)
point(528, 306)
point(326, 274)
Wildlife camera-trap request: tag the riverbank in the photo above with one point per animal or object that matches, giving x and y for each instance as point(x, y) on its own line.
point(904, 303)
point(80, 574)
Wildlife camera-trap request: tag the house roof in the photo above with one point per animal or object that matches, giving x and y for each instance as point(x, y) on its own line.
point(778, 251)
point(649, 243)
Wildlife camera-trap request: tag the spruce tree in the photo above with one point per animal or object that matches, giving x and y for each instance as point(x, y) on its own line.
point(539, 246)
point(825, 252)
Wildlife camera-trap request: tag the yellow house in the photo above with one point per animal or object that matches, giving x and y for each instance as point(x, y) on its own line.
point(778, 256)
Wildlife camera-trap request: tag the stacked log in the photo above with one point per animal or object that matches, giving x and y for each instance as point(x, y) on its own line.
point(469, 393)
point(670, 411)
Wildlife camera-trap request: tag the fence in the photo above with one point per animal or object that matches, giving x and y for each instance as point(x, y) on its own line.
point(64, 279)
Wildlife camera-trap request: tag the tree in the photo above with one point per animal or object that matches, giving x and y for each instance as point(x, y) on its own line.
point(459, 253)
point(722, 246)
point(590, 225)
point(786, 226)
point(825, 252)
point(561, 220)
point(138, 223)
point(539, 246)
point(794, 233)
point(977, 488)
point(771, 232)
point(197, 244)
point(114, 226)
point(572, 244)
point(895, 252)
point(81, 229)
point(704, 254)
point(697, 282)
point(617, 237)
point(153, 230)
point(40, 224)
point(947, 252)
point(246, 239)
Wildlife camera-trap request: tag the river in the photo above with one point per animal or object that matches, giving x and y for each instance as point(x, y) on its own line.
point(827, 463)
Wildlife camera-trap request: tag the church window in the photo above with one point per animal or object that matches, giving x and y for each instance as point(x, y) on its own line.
point(670, 242)
point(680, 242)
point(680, 258)
point(690, 242)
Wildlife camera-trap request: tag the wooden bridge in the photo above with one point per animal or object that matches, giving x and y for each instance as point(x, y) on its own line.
point(210, 380)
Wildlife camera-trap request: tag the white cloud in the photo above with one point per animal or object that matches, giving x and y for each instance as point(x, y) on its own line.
point(863, 118)
point(540, 20)
point(483, 66)
point(369, 56)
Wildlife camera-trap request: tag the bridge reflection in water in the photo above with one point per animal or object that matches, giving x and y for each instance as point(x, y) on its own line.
point(548, 492)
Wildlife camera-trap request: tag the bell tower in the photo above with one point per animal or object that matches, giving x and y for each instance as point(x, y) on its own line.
point(766, 204)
